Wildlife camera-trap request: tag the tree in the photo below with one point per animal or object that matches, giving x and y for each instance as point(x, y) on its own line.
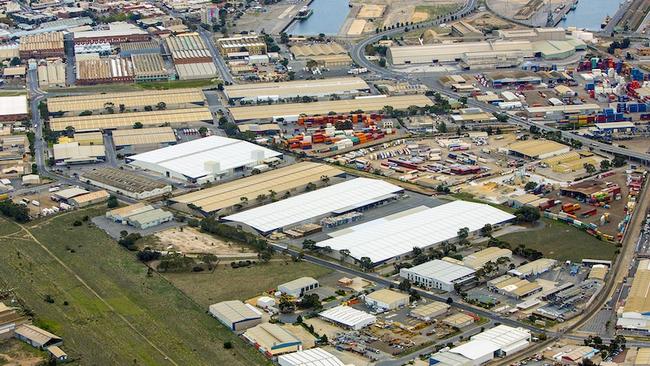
point(527, 214)
point(137, 125)
point(486, 230)
point(15, 61)
point(311, 64)
point(308, 244)
point(344, 253)
point(161, 105)
point(441, 127)
point(405, 285)
point(449, 301)
point(605, 165)
point(112, 202)
point(365, 263)
point(227, 345)
point(618, 161)
point(382, 62)
point(530, 186)
point(463, 234)
point(590, 168)
point(203, 131)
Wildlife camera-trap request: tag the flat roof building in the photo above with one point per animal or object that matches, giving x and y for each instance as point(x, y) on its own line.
point(134, 48)
point(297, 88)
point(537, 149)
point(428, 312)
point(459, 320)
point(140, 140)
point(130, 100)
point(387, 299)
point(439, 275)
point(298, 287)
point(293, 110)
point(338, 198)
point(150, 218)
point(454, 52)
point(195, 71)
point(125, 182)
point(13, 108)
point(42, 45)
point(348, 317)
point(478, 259)
point(117, 32)
point(636, 311)
point(204, 160)
point(235, 314)
point(534, 268)
point(272, 340)
point(310, 357)
point(149, 67)
point(74, 153)
point(51, 74)
point(391, 238)
point(188, 48)
point(291, 179)
point(250, 43)
point(88, 199)
point(514, 287)
point(104, 70)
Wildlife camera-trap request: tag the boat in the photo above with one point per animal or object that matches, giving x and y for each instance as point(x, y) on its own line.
point(605, 22)
point(574, 5)
point(304, 13)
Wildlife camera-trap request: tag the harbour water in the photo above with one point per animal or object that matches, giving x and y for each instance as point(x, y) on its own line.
point(589, 14)
point(328, 17)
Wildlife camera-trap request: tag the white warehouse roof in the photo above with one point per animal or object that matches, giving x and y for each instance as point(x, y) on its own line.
point(13, 105)
point(383, 239)
point(505, 337)
point(349, 316)
point(309, 205)
point(310, 357)
point(190, 158)
point(442, 271)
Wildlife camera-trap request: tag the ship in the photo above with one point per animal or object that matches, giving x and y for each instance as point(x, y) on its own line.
point(304, 13)
point(605, 22)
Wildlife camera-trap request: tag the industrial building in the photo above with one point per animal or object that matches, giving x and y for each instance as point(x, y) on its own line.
point(51, 73)
point(136, 48)
point(13, 108)
point(251, 44)
point(74, 153)
point(478, 259)
point(430, 311)
point(272, 340)
point(465, 30)
point(635, 314)
point(393, 237)
point(88, 199)
point(459, 320)
point(126, 120)
point(298, 287)
point(140, 216)
point(537, 149)
point(236, 315)
point(559, 110)
point(65, 195)
point(117, 32)
point(130, 100)
point(104, 70)
point(139, 140)
point(195, 71)
point(101, 49)
point(513, 287)
point(352, 195)
point(293, 110)
point(348, 317)
point(188, 48)
point(386, 299)
point(514, 52)
point(293, 179)
point(297, 88)
point(42, 45)
point(325, 54)
point(37, 337)
point(204, 160)
point(439, 275)
point(534, 268)
point(84, 138)
point(126, 183)
point(499, 341)
point(310, 357)
point(149, 67)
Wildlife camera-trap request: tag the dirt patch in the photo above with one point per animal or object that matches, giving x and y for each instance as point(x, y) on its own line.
point(419, 16)
point(16, 353)
point(191, 241)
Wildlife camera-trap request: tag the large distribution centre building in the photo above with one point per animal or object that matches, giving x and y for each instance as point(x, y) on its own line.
point(130, 100)
point(537, 149)
point(235, 314)
point(390, 238)
point(438, 274)
point(298, 88)
point(293, 110)
point(204, 160)
point(636, 311)
point(339, 198)
point(286, 179)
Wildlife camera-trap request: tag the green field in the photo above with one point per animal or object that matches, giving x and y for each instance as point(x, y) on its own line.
point(208, 288)
point(178, 84)
point(562, 242)
point(436, 10)
point(106, 307)
point(8, 227)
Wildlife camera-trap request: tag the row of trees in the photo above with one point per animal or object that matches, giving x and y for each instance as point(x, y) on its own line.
point(19, 213)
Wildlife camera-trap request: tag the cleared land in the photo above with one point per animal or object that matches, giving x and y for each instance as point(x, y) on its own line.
point(425, 12)
point(115, 314)
point(562, 242)
point(191, 241)
point(16, 353)
point(208, 288)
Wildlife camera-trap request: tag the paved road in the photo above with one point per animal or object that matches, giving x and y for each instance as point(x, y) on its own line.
point(216, 56)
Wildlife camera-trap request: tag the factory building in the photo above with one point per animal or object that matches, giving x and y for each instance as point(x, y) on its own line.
point(298, 287)
point(140, 216)
point(272, 340)
point(188, 48)
point(84, 138)
point(253, 45)
point(204, 160)
point(89, 199)
point(235, 314)
point(104, 71)
point(386, 299)
point(51, 73)
point(126, 183)
point(74, 153)
point(117, 32)
point(394, 237)
point(430, 311)
point(140, 140)
point(136, 48)
point(13, 108)
point(42, 45)
point(352, 195)
point(101, 49)
point(439, 275)
point(478, 259)
point(454, 52)
point(514, 287)
point(297, 88)
point(149, 67)
point(635, 314)
point(537, 149)
point(310, 357)
point(348, 317)
point(534, 268)
point(324, 54)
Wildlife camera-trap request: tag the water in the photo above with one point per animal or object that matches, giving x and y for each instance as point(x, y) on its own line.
point(590, 14)
point(328, 17)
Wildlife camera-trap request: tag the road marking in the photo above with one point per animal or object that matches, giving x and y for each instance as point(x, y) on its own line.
point(286, 12)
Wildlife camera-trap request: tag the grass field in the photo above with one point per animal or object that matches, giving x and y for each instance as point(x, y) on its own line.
point(7, 227)
point(208, 288)
point(106, 307)
point(435, 10)
point(562, 242)
point(178, 84)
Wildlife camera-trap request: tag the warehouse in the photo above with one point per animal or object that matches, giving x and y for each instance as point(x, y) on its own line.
point(298, 88)
point(636, 311)
point(149, 218)
point(139, 140)
point(348, 317)
point(513, 287)
point(126, 120)
point(298, 287)
point(51, 73)
point(478, 259)
point(88, 199)
point(310, 357)
point(136, 48)
point(241, 43)
point(118, 32)
point(126, 183)
point(534, 268)
point(325, 54)
point(42, 45)
point(84, 138)
point(430, 311)
point(196, 71)
point(204, 160)
point(564, 109)
point(293, 110)
point(66, 194)
point(339, 198)
point(74, 153)
point(101, 49)
point(459, 320)
point(13, 108)
point(94, 102)
point(387, 239)
point(293, 179)
point(537, 149)
point(149, 67)
point(438, 275)
point(188, 48)
point(236, 315)
point(454, 52)
point(386, 299)
point(272, 340)
point(104, 70)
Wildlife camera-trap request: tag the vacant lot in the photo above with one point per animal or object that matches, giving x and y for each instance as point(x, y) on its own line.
point(106, 307)
point(7, 227)
point(562, 242)
point(16, 353)
point(244, 283)
point(191, 241)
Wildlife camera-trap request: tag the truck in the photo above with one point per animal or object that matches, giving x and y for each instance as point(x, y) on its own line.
point(357, 71)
